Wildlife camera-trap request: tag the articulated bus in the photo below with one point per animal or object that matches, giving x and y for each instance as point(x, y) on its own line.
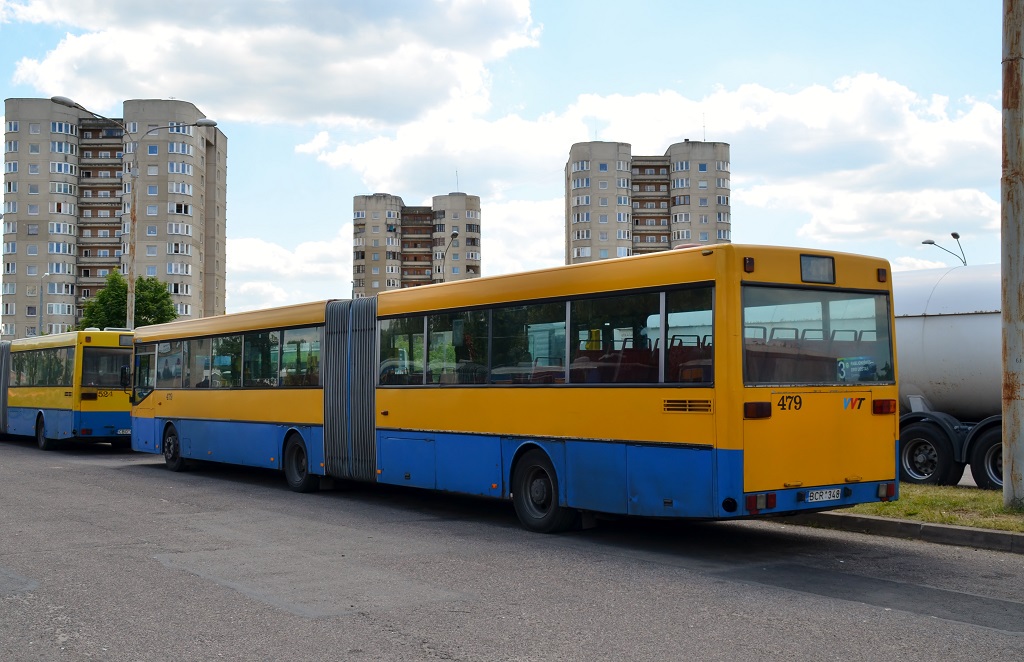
point(67, 386)
point(721, 382)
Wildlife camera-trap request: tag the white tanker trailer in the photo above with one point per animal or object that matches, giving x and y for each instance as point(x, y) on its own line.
point(949, 352)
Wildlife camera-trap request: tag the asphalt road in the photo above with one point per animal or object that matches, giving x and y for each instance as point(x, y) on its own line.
point(105, 555)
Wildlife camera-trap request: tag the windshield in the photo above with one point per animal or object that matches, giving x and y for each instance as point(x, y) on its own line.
point(811, 336)
point(101, 366)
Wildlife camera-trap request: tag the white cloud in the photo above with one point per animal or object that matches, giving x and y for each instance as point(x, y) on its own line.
point(863, 159)
point(262, 273)
point(338, 63)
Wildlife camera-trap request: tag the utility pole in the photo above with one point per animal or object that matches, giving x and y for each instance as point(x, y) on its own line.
point(1012, 226)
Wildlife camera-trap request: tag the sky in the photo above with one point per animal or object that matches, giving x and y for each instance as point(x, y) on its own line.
point(863, 127)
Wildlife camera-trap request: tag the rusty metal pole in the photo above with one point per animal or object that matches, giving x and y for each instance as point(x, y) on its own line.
point(1012, 193)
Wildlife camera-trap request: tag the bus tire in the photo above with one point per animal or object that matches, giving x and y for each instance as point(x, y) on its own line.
point(44, 443)
point(987, 460)
point(926, 455)
point(535, 495)
point(296, 466)
point(172, 450)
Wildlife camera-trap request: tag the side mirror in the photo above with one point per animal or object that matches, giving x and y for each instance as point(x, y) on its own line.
point(126, 377)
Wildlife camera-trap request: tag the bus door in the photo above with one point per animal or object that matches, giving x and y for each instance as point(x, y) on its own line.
point(145, 435)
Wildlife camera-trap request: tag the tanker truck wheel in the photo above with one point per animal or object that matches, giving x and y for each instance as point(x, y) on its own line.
point(926, 456)
point(987, 460)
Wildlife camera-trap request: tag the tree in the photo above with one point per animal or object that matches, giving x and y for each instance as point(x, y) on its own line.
point(153, 304)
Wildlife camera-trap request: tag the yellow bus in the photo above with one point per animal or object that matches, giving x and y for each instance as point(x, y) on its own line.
point(720, 382)
point(67, 386)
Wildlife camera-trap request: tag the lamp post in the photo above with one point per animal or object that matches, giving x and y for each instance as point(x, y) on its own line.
point(134, 173)
point(444, 274)
point(40, 315)
point(955, 235)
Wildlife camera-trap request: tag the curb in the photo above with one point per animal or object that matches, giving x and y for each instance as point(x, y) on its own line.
point(942, 534)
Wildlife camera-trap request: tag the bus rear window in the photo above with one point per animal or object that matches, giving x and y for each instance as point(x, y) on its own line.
point(809, 336)
point(101, 366)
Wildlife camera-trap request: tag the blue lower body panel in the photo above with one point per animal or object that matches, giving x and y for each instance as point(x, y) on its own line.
point(649, 480)
point(231, 442)
point(68, 424)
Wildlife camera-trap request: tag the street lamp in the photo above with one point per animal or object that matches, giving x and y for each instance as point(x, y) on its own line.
point(955, 235)
point(444, 274)
point(40, 312)
point(134, 173)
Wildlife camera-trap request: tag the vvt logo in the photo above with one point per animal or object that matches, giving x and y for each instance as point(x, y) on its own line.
point(853, 403)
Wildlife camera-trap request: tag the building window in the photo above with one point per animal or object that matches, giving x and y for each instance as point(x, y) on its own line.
point(151, 210)
point(703, 236)
point(151, 271)
point(151, 230)
point(702, 167)
point(703, 202)
point(151, 189)
point(623, 252)
point(581, 251)
point(602, 184)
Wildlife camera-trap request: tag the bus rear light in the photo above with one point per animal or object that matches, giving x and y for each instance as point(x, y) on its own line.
point(756, 502)
point(883, 407)
point(883, 275)
point(85, 431)
point(886, 491)
point(757, 410)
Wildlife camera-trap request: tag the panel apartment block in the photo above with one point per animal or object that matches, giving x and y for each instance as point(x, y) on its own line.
point(67, 204)
point(618, 204)
point(395, 245)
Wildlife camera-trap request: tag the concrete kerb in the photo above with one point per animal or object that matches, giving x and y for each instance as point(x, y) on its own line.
point(943, 534)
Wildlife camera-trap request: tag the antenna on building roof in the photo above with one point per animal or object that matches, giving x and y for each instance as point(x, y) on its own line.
point(457, 180)
point(704, 126)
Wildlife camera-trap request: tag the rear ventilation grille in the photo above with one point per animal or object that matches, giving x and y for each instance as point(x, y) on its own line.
point(688, 406)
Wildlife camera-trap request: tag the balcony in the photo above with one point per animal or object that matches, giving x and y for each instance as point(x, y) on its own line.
point(93, 260)
point(111, 241)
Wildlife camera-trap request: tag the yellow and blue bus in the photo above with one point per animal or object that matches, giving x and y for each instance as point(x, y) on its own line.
point(67, 386)
point(715, 383)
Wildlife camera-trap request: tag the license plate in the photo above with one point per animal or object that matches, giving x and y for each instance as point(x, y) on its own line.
point(125, 431)
point(817, 496)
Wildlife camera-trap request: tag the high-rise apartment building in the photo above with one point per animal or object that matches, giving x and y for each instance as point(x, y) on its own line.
point(618, 204)
point(67, 206)
point(396, 246)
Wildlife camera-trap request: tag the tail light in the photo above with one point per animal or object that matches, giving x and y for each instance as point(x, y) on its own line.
point(756, 502)
point(883, 407)
point(886, 491)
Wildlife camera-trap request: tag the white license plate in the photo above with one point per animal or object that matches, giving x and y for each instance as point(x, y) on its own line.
point(817, 496)
point(125, 431)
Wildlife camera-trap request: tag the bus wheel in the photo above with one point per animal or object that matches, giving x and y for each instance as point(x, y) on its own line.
point(987, 460)
point(535, 495)
point(172, 450)
point(296, 466)
point(42, 441)
point(926, 455)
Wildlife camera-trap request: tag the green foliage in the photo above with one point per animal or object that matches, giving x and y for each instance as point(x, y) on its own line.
point(153, 304)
